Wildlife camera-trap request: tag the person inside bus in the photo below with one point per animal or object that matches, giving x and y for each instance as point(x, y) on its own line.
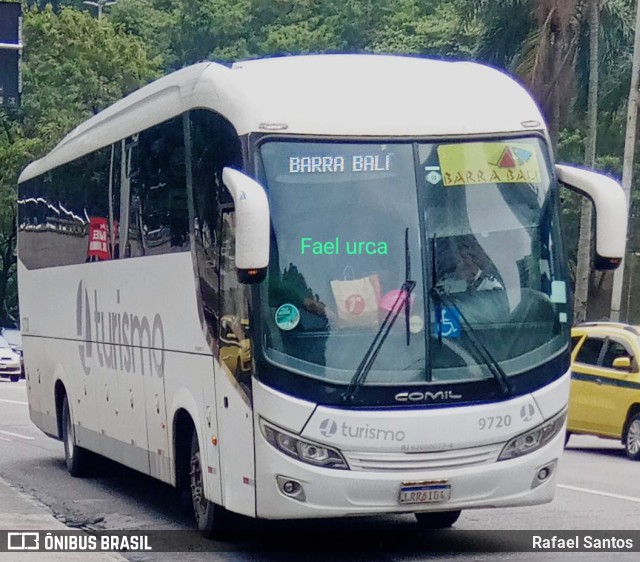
point(469, 273)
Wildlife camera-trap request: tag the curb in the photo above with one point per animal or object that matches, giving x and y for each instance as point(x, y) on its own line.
point(20, 511)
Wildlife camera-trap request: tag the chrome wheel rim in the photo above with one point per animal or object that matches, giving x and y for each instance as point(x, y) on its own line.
point(633, 437)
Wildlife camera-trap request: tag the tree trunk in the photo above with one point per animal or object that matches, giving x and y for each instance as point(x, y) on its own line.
point(583, 267)
point(627, 162)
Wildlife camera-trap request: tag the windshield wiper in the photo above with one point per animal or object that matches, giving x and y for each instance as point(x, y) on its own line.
point(439, 296)
point(407, 276)
point(434, 282)
point(371, 354)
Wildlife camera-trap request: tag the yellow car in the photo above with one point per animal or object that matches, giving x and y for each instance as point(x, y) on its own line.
point(605, 383)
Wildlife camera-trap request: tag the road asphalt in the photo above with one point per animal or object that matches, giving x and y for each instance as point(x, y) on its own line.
point(20, 512)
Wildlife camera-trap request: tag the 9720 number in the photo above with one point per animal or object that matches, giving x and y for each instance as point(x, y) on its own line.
point(491, 422)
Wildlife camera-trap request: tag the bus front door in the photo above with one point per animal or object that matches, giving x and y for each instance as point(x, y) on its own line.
point(233, 380)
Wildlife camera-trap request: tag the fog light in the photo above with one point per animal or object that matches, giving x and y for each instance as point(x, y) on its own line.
point(291, 488)
point(543, 474)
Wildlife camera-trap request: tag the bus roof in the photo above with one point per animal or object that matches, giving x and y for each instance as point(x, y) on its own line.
point(327, 95)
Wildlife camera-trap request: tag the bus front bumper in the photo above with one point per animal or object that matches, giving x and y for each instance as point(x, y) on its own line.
point(323, 492)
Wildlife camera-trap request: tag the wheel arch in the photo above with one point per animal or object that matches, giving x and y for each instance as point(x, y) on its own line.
point(60, 391)
point(632, 411)
point(183, 427)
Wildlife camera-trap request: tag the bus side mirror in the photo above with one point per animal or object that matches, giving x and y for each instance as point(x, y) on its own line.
point(611, 211)
point(252, 225)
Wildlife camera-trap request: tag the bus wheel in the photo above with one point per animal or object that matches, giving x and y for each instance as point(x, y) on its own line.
point(212, 519)
point(437, 519)
point(632, 440)
point(77, 459)
point(15, 379)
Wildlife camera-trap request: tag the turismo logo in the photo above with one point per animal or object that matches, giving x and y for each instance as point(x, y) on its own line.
point(328, 427)
point(116, 339)
point(527, 412)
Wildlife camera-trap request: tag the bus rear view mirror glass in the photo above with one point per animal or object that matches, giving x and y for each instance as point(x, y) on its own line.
point(252, 225)
point(610, 209)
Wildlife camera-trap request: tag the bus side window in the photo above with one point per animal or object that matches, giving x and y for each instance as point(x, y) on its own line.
point(235, 345)
point(213, 145)
point(68, 208)
point(114, 199)
point(158, 214)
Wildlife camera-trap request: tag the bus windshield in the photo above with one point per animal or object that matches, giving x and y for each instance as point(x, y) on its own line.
point(482, 227)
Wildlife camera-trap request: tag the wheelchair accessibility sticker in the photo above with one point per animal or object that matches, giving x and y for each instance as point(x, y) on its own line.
point(448, 325)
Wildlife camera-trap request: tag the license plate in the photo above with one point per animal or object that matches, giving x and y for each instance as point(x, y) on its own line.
point(425, 492)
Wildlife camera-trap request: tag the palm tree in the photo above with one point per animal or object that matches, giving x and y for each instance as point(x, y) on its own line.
point(538, 40)
point(543, 41)
point(581, 293)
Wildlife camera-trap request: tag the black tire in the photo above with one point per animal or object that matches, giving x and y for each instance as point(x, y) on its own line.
point(632, 438)
point(213, 520)
point(15, 379)
point(78, 460)
point(437, 519)
point(567, 436)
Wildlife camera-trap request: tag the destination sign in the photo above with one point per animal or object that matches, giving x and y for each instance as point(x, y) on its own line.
point(327, 164)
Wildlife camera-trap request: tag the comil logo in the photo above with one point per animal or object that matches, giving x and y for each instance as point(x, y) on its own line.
point(427, 396)
point(117, 340)
point(328, 427)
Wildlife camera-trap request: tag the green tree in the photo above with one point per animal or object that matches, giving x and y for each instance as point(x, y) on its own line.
point(211, 29)
point(440, 28)
point(536, 39)
point(154, 22)
point(74, 65)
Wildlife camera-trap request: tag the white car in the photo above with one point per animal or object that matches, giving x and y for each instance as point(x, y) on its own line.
point(9, 362)
point(14, 339)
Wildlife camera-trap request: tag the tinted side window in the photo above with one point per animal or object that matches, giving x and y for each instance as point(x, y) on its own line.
point(235, 347)
point(214, 145)
point(64, 214)
point(32, 220)
point(590, 351)
point(159, 216)
point(574, 341)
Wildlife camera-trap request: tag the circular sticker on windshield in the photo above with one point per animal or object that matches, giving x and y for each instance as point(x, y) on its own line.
point(287, 317)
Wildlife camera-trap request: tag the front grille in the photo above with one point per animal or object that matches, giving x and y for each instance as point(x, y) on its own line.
point(456, 458)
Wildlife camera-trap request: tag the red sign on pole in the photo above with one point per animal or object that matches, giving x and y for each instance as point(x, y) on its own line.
point(98, 239)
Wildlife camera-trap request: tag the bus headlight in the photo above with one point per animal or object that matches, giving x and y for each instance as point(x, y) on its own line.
point(302, 450)
point(533, 439)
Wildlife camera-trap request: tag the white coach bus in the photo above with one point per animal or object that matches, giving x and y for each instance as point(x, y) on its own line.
point(309, 287)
